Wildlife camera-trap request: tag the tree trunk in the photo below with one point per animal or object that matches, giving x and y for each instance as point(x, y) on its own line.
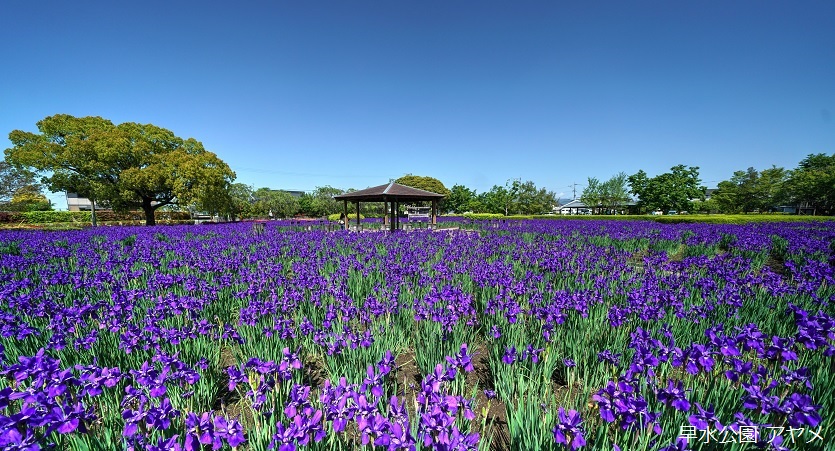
point(93, 211)
point(149, 212)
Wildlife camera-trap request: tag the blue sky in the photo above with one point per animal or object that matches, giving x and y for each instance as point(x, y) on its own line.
point(296, 95)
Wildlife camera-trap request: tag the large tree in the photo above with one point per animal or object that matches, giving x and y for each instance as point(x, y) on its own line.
point(129, 166)
point(669, 191)
point(813, 182)
point(426, 183)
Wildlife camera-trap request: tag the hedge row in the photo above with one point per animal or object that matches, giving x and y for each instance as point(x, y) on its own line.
point(664, 219)
point(351, 217)
point(50, 217)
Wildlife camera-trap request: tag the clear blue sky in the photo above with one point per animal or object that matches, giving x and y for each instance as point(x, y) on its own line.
point(297, 94)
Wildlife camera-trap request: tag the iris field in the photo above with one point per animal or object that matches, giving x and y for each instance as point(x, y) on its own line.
point(528, 335)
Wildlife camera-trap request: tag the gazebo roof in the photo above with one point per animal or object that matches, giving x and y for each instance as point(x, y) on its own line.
point(389, 192)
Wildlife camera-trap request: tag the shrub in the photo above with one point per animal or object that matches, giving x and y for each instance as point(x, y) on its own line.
point(483, 216)
point(7, 217)
point(48, 217)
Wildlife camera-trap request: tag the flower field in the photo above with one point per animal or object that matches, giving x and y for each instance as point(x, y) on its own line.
point(528, 335)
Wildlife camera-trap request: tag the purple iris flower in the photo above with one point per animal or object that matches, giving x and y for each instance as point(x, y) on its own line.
point(384, 366)
point(608, 356)
point(705, 419)
point(495, 331)
point(510, 356)
point(675, 395)
point(569, 430)
point(462, 360)
point(373, 380)
point(802, 411)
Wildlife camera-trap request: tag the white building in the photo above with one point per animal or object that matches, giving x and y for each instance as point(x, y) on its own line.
point(76, 203)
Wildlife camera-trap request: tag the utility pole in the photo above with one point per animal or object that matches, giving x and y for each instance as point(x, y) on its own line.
point(574, 190)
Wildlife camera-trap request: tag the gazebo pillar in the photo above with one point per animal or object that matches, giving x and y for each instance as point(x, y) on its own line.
point(358, 216)
point(385, 213)
point(345, 213)
point(434, 218)
point(391, 212)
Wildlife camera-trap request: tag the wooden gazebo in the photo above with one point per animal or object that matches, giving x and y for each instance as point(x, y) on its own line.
point(391, 195)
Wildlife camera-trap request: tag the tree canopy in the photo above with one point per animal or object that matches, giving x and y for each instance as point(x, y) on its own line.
point(430, 184)
point(609, 195)
point(320, 202)
point(813, 182)
point(527, 199)
point(14, 179)
point(751, 190)
point(669, 191)
point(129, 165)
point(28, 198)
point(281, 203)
point(460, 199)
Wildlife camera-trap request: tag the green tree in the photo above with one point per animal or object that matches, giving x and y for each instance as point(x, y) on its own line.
point(707, 206)
point(592, 194)
point(813, 182)
point(516, 197)
point(527, 199)
point(281, 203)
point(235, 201)
point(669, 191)
point(29, 198)
point(726, 197)
point(130, 165)
point(772, 188)
point(752, 190)
point(497, 200)
point(13, 179)
point(426, 183)
point(430, 184)
point(615, 191)
point(320, 202)
point(459, 199)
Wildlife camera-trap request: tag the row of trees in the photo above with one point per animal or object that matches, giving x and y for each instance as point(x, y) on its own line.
point(810, 188)
point(514, 198)
point(134, 166)
point(243, 201)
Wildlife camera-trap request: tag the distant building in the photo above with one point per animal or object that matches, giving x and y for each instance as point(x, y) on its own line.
point(77, 203)
point(708, 194)
point(800, 208)
point(293, 193)
point(576, 207)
